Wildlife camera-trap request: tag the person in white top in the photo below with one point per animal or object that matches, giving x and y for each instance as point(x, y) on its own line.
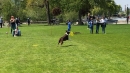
point(102, 20)
point(103, 24)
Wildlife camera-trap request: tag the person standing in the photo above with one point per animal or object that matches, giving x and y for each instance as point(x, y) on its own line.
point(1, 22)
point(17, 21)
point(97, 25)
point(127, 19)
point(91, 25)
point(103, 24)
point(28, 21)
point(88, 20)
point(69, 25)
point(12, 24)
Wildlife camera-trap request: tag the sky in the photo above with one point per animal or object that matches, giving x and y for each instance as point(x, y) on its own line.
point(123, 3)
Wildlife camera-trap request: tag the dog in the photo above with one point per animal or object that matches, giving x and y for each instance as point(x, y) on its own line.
point(64, 38)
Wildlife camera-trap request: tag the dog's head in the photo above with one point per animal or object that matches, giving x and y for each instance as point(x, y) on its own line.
point(68, 32)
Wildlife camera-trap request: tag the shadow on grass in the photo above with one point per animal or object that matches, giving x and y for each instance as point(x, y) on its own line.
point(68, 45)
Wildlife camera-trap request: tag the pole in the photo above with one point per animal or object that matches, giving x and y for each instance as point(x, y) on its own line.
point(127, 15)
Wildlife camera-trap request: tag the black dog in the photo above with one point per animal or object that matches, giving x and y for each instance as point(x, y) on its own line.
point(64, 38)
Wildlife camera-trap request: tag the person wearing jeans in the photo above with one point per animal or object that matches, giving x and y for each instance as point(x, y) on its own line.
point(69, 25)
point(16, 32)
point(91, 25)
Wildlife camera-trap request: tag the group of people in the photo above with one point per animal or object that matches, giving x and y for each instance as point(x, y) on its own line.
point(98, 21)
point(14, 23)
point(14, 27)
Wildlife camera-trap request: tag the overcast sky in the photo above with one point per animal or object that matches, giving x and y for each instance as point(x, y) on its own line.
point(123, 3)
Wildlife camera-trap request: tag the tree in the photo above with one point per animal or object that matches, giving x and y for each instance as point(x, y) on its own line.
point(47, 6)
point(7, 9)
point(37, 8)
point(41, 4)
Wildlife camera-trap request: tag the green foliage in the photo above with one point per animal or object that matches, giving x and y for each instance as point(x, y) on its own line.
point(36, 9)
point(15, 8)
point(7, 9)
point(73, 16)
point(35, 14)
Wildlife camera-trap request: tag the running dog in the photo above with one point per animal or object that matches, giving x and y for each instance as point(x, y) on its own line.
point(64, 38)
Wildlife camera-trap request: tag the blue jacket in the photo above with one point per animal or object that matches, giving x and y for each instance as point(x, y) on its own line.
point(91, 23)
point(69, 24)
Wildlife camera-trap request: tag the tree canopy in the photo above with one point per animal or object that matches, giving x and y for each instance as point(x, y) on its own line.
point(39, 10)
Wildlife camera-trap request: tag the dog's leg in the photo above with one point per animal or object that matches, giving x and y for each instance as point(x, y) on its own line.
point(62, 42)
point(59, 41)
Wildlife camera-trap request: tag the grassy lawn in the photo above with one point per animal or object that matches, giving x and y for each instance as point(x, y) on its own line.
point(36, 51)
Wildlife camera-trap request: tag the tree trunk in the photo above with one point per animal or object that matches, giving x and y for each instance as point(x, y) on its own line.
point(47, 11)
point(79, 16)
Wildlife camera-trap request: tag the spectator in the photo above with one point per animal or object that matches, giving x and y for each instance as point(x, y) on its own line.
point(17, 22)
point(1, 21)
point(91, 25)
point(12, 24)
point(69, 25)
point(103, 24)
point(127, 19)
point(89, 19)
point(16, 32)
point(28, 21)
point(97, 25)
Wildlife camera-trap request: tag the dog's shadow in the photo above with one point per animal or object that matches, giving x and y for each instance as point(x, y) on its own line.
point(76, 33)
point(68, 45)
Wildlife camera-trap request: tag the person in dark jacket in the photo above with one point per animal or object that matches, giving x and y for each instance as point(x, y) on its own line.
point(28, 21)
point(97, 25)
point(1, 22)
point(17, 22)
point(127, 19)
point(12, 24)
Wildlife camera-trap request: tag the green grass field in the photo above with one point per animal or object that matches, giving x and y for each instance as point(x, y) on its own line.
point(36, 51)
